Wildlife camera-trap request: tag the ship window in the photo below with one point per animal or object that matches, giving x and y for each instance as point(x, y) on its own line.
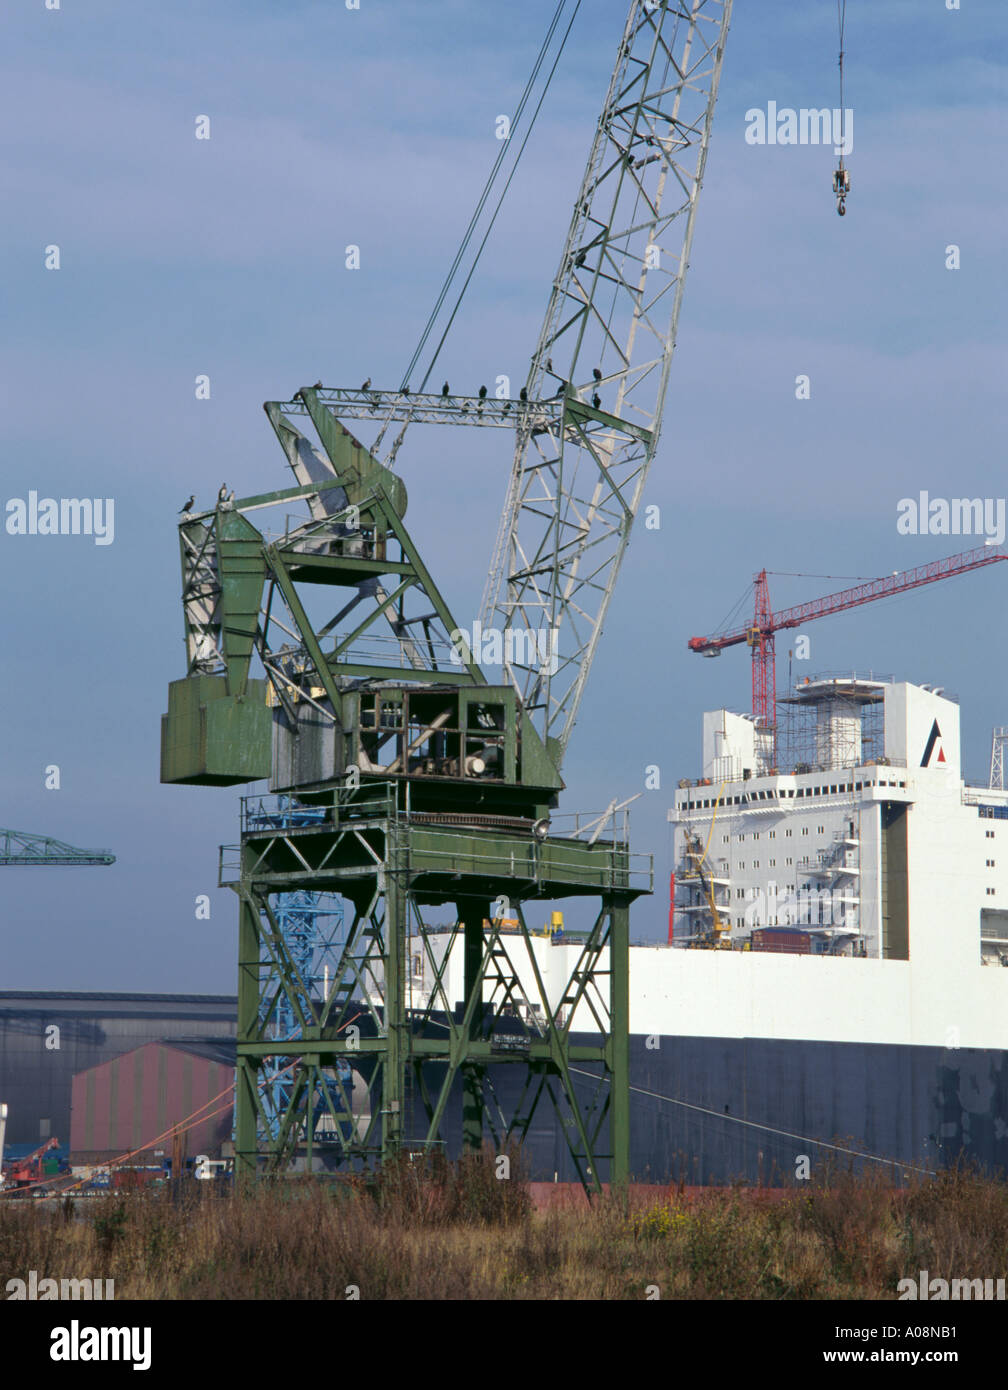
point(990, 863)
point(787, 861)
point(990, 892)
point(787, 833)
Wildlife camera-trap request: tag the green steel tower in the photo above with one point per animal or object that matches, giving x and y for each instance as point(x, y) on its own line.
point(410, 785)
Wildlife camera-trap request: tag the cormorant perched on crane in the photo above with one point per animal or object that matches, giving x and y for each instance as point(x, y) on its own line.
point(444, 389)
point(189, 505)
point(366, 386)
point(222, 495)
point(523, 394)
point(597, 401)
point(597, 373)
point(482, 393)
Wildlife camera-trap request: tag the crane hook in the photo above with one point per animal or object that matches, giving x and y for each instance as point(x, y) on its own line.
point(841, 187)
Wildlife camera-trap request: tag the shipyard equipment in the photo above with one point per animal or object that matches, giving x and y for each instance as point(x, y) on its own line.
point(18, 847)
point(759, 634)
point(34, 1167)
point(412, 782)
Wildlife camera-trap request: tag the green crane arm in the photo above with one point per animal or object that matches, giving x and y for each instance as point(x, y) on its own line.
point(20, 847)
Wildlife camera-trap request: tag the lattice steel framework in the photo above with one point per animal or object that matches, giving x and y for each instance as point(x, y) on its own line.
point(20, 847)
point(606, 348)
point(998, 740)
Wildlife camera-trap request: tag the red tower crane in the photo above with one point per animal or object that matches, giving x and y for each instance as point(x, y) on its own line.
point(759, 634)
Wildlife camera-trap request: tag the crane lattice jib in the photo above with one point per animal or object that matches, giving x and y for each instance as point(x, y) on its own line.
point(20, 847)
point(605, 351)
point(874, 589)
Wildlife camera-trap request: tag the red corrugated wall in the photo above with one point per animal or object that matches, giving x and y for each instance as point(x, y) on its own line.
point(133, 1101)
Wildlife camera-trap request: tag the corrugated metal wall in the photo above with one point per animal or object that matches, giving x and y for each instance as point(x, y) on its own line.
point(37, 1064)
point(133, 1102)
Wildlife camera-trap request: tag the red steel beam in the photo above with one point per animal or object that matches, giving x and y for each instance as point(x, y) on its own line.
point(764, 626)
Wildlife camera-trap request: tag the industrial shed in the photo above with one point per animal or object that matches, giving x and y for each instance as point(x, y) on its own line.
point(47, 1037)
point(132, 1103)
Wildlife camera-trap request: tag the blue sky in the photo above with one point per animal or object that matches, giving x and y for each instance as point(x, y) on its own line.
point(376, 127)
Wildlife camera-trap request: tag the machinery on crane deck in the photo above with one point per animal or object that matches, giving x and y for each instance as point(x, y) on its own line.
point(432, 785)
point(759, 634)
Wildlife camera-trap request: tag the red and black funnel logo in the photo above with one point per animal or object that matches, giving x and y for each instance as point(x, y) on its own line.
point(934, 741)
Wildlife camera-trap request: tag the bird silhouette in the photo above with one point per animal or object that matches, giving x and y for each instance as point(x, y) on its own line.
point(560, 389)
point(318, 385)
point(222, 495)
point(596, 401)
point(366, 385)
point(596, 373)
point(189, 505)
point(444, 389)
point(482, 393)
point(230, 496)
point(549, 365)
point(523, 394)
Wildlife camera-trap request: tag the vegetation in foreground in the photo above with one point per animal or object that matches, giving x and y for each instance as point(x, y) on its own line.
point(454, 1231)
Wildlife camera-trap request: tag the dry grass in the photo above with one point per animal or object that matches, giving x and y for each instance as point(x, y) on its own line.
point(456, 1232)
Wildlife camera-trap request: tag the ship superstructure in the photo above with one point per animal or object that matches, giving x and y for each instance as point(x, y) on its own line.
point(870, 845)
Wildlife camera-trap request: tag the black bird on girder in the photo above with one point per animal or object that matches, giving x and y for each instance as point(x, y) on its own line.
point(597, 401)
point(365, 386)
point(597, 373)
point(222, 495)
point(482, 393)
point(444, 389)
point(318, 385)
point(189, 505)
point(523, 394)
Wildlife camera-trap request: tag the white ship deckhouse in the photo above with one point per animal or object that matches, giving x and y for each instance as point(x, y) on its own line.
point(867, 842)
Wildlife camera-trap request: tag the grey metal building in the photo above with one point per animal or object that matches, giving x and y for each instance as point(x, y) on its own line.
point(47, 1037)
